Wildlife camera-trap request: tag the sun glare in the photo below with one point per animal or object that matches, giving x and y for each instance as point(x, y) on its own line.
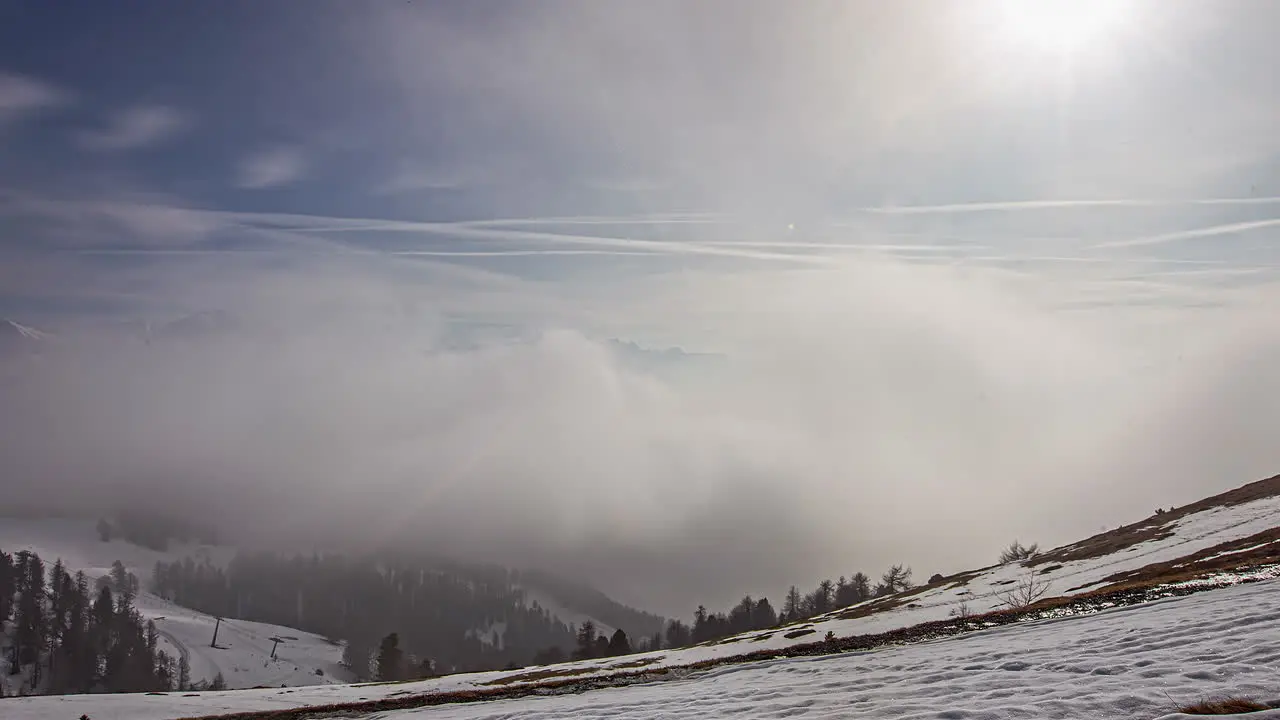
point(1061, 25)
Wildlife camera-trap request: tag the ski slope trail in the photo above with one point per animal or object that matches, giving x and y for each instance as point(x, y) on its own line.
point(243, 654)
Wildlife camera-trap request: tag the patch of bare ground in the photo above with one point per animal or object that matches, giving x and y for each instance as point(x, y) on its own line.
point(1257, 549)
point(549, 673)
point(535, 675)
point(1156, 527)
point(1226, 706)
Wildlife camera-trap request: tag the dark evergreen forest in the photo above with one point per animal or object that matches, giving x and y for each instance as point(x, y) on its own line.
point(69, 636)
point(458, 619)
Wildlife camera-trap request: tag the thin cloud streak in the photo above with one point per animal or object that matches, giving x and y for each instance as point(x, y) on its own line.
point(21, 95)
point(270, 168)
point(472, 230)
point(1029, 205)
point(1212, 231)
point(674, 219)
point(134, 128)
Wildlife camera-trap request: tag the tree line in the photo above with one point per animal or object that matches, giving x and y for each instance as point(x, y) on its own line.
point(391, 662)
point(751, 614)
point(68, 636)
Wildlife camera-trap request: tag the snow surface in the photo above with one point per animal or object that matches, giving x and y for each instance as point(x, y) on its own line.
point(1140, 661)
point(243, 655)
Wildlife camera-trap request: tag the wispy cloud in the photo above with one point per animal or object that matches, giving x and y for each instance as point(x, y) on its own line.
point(271, 168)
point(140, 221)
point(648, 219)
point(1024, 205)
point(1211, 231)
point(20, 95)
point(482, 230)
point(136, 127)
point(413, 177)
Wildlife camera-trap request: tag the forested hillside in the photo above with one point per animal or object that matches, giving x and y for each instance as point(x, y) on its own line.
point(65, 634)
point(457, 618)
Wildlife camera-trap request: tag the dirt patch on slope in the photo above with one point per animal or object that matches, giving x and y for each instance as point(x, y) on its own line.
point(1257, 549)
point(550, 673)
point(1156, 527)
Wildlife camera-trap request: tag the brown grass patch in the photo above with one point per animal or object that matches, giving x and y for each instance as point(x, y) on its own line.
point(1155, 527)
point(884, 604)
point(1204, 562)
point(536, 675)
point(962, 579)
point(1227, 706)
point(634, 663)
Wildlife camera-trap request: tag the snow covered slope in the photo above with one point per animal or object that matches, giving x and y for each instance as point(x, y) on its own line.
point(1131, 662)
point(1116, 664)
point(243, 654)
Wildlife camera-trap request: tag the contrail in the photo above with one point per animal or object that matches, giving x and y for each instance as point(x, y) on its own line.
point(1020, 205)
point(1228, 229)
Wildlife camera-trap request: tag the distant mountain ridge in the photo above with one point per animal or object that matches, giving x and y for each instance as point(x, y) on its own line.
point(593, 603)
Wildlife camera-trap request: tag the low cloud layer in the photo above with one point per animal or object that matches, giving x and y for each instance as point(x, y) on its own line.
point(959, 285)
point(872, 412)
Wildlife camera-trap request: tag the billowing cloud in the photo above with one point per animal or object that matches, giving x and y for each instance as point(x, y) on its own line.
point(868, 410)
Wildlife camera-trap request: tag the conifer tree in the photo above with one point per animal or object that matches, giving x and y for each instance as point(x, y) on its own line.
point(184, 673)
point(390, 658)
point(619, 644)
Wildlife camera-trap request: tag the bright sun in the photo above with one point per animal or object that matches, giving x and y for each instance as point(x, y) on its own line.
point(1061, 26)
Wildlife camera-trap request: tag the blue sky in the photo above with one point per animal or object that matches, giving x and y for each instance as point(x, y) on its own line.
point(783, 127)
point(1052, 225)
